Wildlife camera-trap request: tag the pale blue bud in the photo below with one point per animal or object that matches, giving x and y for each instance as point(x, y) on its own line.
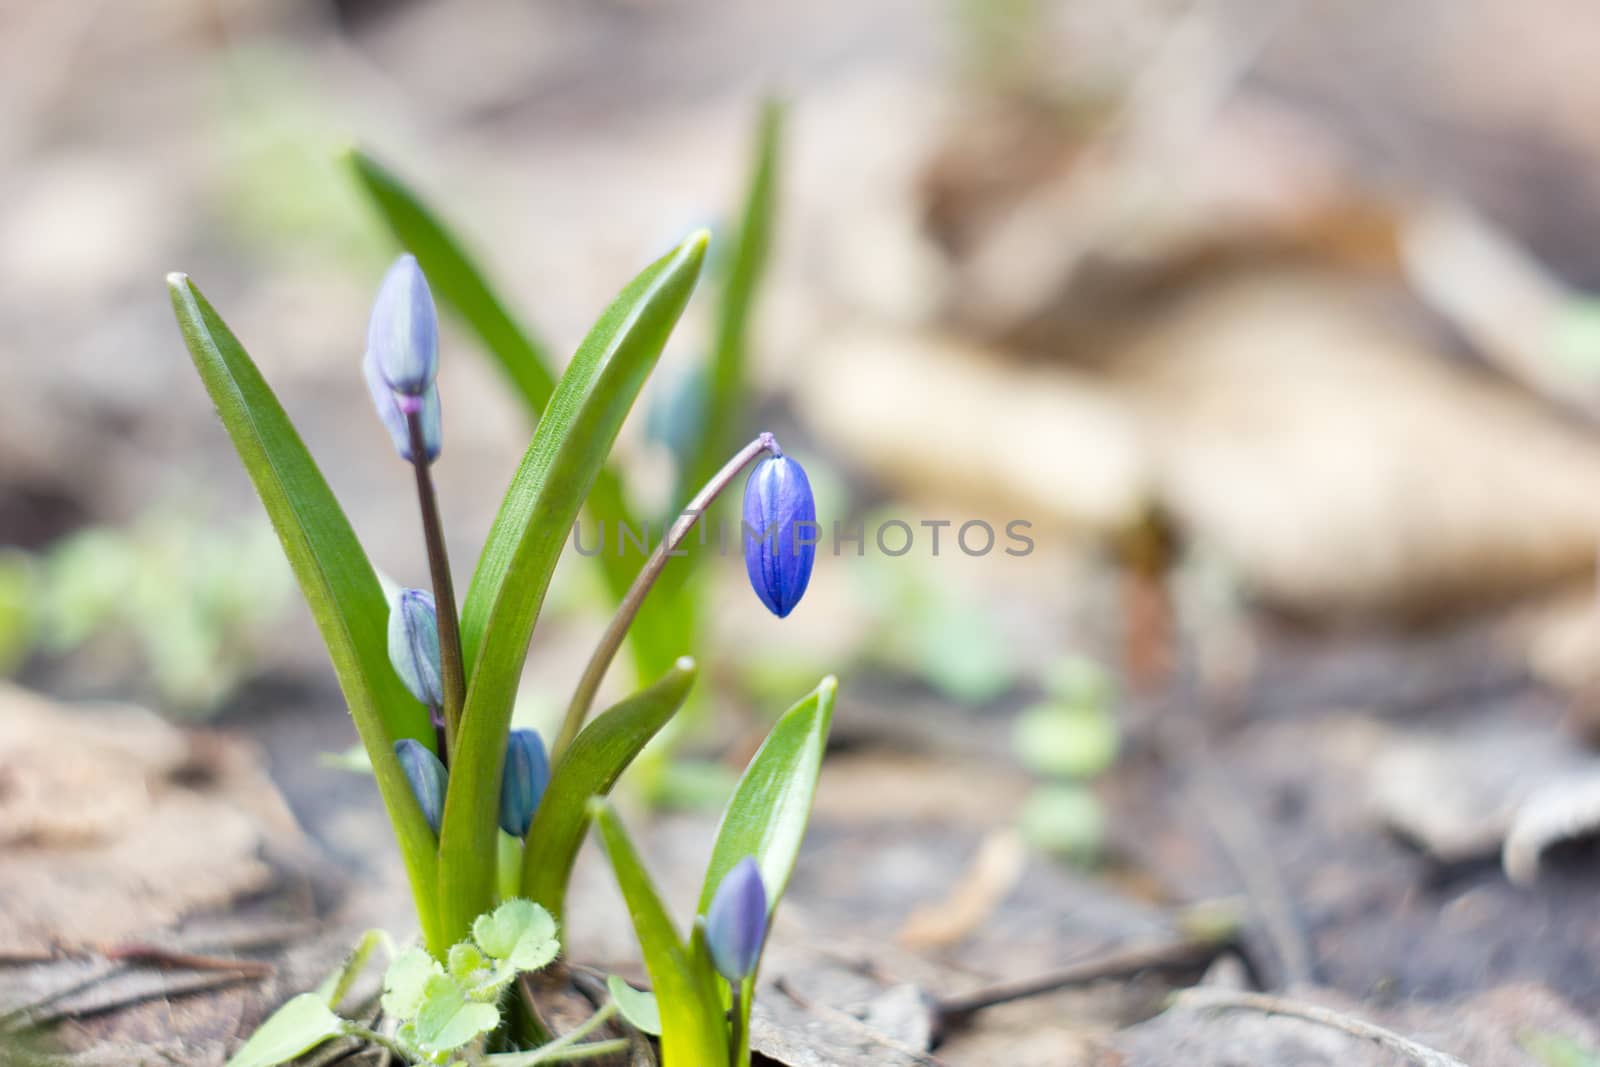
point(392, 410)
point(427, 777)
point(414, 645)
point(736, 922)
point(403, 333)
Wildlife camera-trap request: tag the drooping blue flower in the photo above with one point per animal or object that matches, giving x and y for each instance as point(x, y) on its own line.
point(780, 532)
point(403, 334)
point(392, 407)
point(522, 783)
point(414, 645)
point(736, 922)
point(427, 776)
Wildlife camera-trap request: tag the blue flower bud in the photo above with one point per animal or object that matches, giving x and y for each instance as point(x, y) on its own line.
point(427, 776)
point(522, 783)
point(403, 334)
point(414, 645)
point(780, 532)
point(736, 922)
point(392, 410)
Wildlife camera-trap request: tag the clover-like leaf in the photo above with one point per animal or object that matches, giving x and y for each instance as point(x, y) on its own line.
point(466, 962)
point(406, 980)
point(519, 932)
point(447, 1019)
point(638, 1006)
point(298, 1027)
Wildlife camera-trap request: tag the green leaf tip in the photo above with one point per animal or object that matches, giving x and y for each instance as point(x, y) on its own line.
point(638, 1006)
point(296, 1028)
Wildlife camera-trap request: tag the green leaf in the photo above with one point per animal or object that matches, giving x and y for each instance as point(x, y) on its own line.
point(519, 932)
point(294, 1029)
point(590, 767)
point(334, 987)
point(466, 962)
point(570, 445)
point(638, 1006)
point(334, 573)
point(406, 980)
point(693, 1029)
point(750, 251)
point(767, 816)
point(456, 280)
point(447, 1019)
point(463, 287)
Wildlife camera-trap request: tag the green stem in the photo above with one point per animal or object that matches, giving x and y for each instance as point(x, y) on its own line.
point(585, 1052)
point(508, 864)
point(451, 671)
point(566, 1046)
point(610, 641)
point(736, 1038)
point(402, 1054)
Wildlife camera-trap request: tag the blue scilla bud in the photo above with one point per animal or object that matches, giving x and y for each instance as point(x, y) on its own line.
point(736, 922)
point(414, 645)
point(780, 532)
point(527, 772)
point(392, 408)
point(427, 777)
point(403, 334)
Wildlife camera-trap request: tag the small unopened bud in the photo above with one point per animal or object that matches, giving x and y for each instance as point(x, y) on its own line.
point(523, 781)
point(780, 532)
point(392, 407)
point(427, 777)
point(403, 334)
point(414, 645)
point(736, 922)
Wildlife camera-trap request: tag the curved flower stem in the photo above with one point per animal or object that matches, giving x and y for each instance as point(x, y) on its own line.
point(611, 640)
point(451, 671)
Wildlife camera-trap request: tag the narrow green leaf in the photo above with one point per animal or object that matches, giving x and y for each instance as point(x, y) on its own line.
point(296, 1028)
point(692, 1026)
point(590, 767)
point(463, 287)
point(657, 636)
point(638, 1006)
point(456, 280)
point(747, 263)
point(334, 573)
point(334, 987)
point(569, 447)
point(767, 815)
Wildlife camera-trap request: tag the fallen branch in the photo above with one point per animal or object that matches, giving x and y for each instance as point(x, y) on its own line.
point(1210, 999)
point(1185, 955)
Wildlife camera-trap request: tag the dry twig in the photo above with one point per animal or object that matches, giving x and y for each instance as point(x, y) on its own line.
point(1232, 1000)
